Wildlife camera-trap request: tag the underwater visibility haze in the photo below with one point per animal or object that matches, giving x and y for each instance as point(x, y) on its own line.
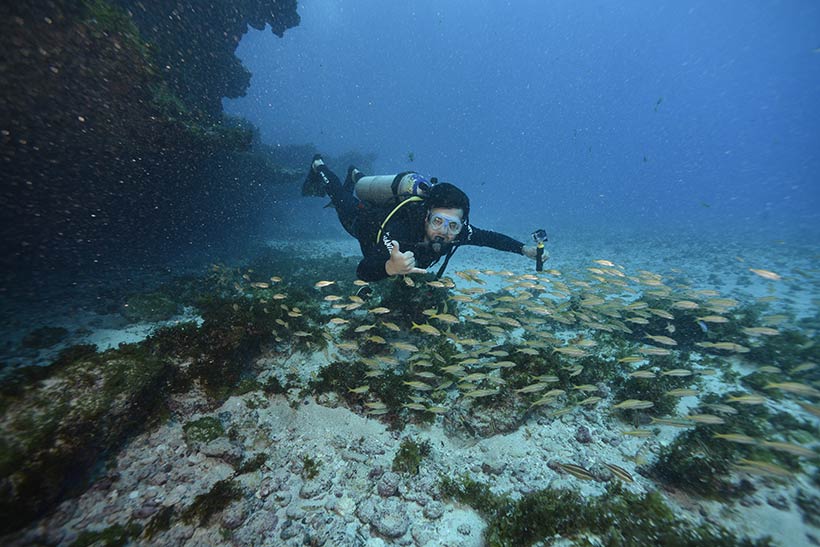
point(654, 116)
point(195, 351)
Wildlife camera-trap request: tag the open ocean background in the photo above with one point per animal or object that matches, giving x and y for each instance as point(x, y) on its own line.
point(687, 119)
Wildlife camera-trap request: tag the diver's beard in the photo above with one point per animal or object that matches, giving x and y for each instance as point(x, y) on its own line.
point(438, 243)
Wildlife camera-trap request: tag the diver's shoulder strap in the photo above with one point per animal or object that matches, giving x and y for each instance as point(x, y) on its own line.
point(393, 212)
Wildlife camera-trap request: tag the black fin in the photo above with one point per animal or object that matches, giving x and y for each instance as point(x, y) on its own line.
point(314, 185)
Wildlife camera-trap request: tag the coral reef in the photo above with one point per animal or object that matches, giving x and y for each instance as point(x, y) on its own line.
point(54, 431)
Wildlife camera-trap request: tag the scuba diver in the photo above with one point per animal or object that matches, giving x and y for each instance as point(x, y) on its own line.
point(404, 223)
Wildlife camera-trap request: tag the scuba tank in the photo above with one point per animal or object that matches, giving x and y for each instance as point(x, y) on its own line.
point(392, 189)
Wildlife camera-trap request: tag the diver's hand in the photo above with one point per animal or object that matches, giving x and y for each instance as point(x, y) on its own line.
point(401, 263)
point(531, 251)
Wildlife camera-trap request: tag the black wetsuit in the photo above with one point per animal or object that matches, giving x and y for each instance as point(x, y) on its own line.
point(407, 226)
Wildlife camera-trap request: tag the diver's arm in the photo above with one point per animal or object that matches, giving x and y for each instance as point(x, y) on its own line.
point(384, 258)
point(495, 240)
point(371, 267)
point(376, 266)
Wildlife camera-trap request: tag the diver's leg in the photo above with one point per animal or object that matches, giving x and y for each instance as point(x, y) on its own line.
point(353, 176)
point(341, 196)
point(347, 205)
point(322, 181)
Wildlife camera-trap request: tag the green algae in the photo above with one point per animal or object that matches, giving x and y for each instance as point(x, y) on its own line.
point(245, 386)
point(694, 463)
point(622, 518)
point(535, 516)
point(272, 386)
point(701, 464)
point(117, 103)
point(233, 332)
point(257, 401)
point(809, 505)
point(160, 522)
point(408, 303)
point(210, 132)
point(409, 456)
point(300, 271)
point(203, 430)
point(113, 536)
point(177, 341)
point(252, 464)
point(150, 307)
point(341, 377)
point(788, 349)
point(310, 467)
point(651, 389)
point(16, 382)
point(55, 429)
point(757, 381)
point(215, 500)
point(168, 103)
point(107, 20)
point(618, 518)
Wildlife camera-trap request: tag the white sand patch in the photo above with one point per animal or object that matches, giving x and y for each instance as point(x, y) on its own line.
point(108, 338)
point(317, 422)
point(447, 529)
point(785, 526)
point(106, 331)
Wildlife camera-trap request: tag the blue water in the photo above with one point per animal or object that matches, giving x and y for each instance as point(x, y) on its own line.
point(699, 117)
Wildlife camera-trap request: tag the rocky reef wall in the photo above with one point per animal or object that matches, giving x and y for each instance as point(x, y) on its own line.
point(113, 143)
point(201, 68)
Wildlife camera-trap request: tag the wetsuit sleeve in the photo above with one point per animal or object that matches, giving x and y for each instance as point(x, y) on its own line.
point(495, 240)
point(371, 267)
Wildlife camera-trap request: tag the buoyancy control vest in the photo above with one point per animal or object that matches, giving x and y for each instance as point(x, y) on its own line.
point(398, 190)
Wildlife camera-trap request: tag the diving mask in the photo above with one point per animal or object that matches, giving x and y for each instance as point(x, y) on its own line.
point(444, 223)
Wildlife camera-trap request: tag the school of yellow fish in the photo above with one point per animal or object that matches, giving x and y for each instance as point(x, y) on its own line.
point(605, 298)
